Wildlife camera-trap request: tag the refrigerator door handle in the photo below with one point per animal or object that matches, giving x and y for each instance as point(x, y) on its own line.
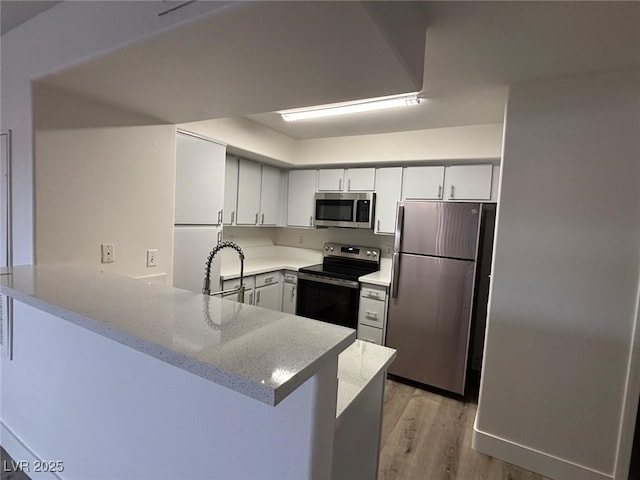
point(395, 275)
point(399, 224)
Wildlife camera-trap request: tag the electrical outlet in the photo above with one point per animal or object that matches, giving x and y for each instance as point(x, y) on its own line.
point(152, 258)
point(108, 252)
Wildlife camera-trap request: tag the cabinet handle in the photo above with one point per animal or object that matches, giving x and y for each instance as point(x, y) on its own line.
point(372, 294)
point(311, 221)
point(452, 192)
point(251, 298)
point(339, 184)
point(293, 293)
point(219, 237)
point(439, 191)
point(372, 315)
point(349, 185)
point(262, 219)
point(233, 215)
point(256, 222)
point(378, 230)
point(257, 297)
point(268, 280)
point(219, 217)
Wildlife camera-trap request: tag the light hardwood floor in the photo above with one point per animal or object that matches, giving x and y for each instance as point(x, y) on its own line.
point(428, 436)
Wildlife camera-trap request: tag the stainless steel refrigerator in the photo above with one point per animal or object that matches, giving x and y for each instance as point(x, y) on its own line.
point(432, 291)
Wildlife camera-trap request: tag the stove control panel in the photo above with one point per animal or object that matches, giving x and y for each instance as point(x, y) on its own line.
point(351, 251)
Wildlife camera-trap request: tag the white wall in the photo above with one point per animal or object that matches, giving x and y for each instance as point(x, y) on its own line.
point(559, 384)
point(472, 142)
point(41, 46)
point(451, 144)
point(102, 176)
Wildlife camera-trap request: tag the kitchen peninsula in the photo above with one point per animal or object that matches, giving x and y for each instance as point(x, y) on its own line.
point(120, 378)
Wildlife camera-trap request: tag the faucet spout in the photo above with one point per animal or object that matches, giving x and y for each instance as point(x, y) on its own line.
point(206, 288)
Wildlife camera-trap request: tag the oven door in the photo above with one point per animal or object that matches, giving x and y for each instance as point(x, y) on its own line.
point(331, 300)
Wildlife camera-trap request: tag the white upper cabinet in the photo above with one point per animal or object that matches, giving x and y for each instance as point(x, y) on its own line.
point(300, 200)
point(270, 196)
point(423, 183)
point(346, 180)
point(230, 190)
point(199, 194)
point(388, 189)
point(331, 180)
point(468, 182)
point(360, 179)
point(249, 191)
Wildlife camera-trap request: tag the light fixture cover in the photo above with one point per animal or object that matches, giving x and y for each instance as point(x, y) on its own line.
point(345, 108)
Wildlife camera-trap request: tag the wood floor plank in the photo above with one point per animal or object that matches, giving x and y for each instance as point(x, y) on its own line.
point(428, 436)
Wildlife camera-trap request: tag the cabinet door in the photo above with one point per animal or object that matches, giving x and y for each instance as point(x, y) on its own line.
point(300, 205)
point(468, 182)
point(191, 247)
point(199, 195)
point(249, 185)
point(270, 196)
point(269, 297)
point(230, 190)
point(289, 298)
point(422, 183)
point(388, 189)
point(361, 179)
point(330, 180)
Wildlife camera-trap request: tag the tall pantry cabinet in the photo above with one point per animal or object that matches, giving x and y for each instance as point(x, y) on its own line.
point(199, 201)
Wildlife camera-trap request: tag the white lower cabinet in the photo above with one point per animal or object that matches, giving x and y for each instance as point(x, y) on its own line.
point(289, 292)
point(264, 290)
point(372, 313)
point(248, 282)
point(269, 291)
point(269, 297)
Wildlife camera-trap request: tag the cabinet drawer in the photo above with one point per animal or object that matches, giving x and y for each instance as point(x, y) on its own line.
point(290, 277)
point(370, 334)
point(249, 282)
point(248, 297)
point(374, 292)
point(267, 279)
point(371, 312)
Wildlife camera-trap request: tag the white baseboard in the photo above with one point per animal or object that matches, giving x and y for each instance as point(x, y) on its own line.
point(533, 460)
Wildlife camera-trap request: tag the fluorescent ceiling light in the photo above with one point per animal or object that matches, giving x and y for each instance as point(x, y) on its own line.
point(357, 106)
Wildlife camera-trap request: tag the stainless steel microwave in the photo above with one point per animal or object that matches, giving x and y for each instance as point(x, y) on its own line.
point(350, 210)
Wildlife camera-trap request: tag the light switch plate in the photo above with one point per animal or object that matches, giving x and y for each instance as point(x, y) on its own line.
point(152, 258)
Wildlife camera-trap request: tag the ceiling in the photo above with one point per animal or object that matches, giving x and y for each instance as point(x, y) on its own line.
point(16, 12)
point(254, 58)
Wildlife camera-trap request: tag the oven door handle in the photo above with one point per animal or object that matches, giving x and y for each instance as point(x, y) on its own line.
point(331, 281)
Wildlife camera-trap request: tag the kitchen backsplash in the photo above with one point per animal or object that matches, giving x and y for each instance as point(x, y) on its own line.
point(256, 241)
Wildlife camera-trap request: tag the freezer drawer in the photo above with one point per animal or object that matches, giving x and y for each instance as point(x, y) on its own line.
point(429, 319)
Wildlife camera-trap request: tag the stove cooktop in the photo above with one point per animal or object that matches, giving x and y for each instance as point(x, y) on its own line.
point(346, 262)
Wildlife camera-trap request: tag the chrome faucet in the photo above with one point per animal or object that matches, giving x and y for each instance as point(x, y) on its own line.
point(206, 288)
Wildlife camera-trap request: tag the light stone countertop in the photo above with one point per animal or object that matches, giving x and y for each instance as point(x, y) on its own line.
point(357, 366)
point(382, 277)
point(286, 261)
point(282, 258)
point(260, 353)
